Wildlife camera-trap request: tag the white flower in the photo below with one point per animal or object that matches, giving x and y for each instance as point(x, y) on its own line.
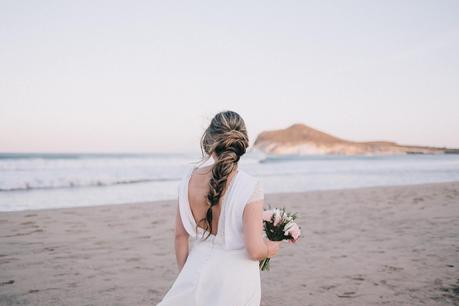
point(288, 226)
point(277, 216)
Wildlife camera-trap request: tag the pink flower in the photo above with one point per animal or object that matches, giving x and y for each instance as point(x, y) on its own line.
point(295, 232)
point(267, 215)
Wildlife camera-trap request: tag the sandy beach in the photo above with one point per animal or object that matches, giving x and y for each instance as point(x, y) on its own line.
point(369, 246)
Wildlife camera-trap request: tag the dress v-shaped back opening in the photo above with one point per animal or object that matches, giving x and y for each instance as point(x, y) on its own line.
point(222, 202)
point(223, 256)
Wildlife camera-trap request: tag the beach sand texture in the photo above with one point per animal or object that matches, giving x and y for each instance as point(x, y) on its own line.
point(369, 246)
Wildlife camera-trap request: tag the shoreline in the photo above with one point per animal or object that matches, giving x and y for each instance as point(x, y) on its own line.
point(395, 245)
point(266, 194)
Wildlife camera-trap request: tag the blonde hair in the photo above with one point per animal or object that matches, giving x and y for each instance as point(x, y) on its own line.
point(227, 137)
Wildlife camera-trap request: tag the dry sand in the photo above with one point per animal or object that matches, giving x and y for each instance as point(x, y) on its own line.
point(368, 246)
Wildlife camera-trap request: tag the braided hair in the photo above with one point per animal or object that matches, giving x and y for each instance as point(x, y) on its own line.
point(227, 137)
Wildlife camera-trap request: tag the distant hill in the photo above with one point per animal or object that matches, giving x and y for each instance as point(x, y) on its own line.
point(300, 139)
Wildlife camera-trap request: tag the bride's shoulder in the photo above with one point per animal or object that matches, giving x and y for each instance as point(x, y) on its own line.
point(187, 170)
point(253, 181)
point(248, 176)
point(257, 190)
point(184, 173)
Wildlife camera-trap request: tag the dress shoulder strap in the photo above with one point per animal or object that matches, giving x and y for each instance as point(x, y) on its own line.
point(184, 207)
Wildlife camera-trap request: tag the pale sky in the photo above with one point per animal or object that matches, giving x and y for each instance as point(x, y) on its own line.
point(147, 76)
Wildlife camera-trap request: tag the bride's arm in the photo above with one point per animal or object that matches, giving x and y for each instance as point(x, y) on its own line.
point(257, 246)
point(181, 241)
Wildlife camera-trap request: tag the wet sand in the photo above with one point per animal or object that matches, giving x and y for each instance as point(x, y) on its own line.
point(368, 246)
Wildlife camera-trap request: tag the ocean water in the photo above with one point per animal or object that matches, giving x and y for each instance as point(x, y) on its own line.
point(38, 181)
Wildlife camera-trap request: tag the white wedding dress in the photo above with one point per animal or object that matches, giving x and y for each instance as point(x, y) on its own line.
point(218, 271)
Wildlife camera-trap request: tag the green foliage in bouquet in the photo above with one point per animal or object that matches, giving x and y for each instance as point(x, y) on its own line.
point(279, 225)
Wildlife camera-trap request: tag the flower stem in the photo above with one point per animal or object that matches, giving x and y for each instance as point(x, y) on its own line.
point(264, 264)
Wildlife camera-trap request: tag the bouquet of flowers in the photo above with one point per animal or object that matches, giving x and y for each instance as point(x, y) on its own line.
point(279, 225)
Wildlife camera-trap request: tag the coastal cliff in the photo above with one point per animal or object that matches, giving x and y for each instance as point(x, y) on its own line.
point(300, 139)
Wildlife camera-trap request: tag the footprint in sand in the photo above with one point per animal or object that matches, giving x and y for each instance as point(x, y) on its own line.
point(8, 260)
point(133, 259)
point(144, 237)
point(387, 268)
point(9, 282)
point(154, 291)
point(101, 242)
point(73, 285)
point(28, 223)
point(349, 294)
point(327, 287)
point(358, 277)
point(23, 234)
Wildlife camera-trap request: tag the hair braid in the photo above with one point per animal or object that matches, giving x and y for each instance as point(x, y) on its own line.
point(227, 137)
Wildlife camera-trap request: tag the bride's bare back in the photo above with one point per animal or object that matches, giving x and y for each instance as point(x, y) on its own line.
point(198, 188)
